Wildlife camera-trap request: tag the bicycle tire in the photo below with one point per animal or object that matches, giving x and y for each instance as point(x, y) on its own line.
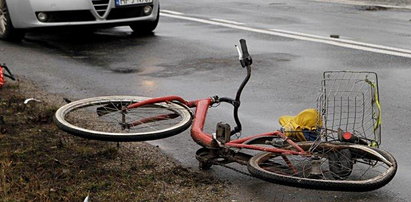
point(258, 167)
point(107, 124)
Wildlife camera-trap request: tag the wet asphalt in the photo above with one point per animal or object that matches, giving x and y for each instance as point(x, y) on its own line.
point(196, 60)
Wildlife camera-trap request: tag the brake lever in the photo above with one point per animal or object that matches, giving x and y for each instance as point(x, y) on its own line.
point(240, 56)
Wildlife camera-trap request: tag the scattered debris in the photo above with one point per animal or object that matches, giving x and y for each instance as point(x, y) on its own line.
point(2, 122)
point(336, 36)
point(124, 70)
point(87, 199)
point(66, 100)
point(31, 99)
point(373, 8)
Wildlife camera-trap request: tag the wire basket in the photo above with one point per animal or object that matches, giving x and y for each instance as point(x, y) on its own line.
point(349, 102)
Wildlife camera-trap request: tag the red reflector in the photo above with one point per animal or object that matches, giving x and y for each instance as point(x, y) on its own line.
point(347, 135)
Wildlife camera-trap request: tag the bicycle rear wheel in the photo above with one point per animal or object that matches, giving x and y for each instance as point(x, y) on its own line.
point(104, 118)
point(331, 166)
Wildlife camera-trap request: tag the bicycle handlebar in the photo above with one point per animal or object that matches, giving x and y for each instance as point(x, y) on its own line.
point(244, 56)
point(244, 48)
point(246, 61)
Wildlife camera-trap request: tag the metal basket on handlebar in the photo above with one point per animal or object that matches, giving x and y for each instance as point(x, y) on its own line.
point(349, 103)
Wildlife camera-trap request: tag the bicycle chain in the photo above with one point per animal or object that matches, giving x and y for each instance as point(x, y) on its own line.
point(233, 169)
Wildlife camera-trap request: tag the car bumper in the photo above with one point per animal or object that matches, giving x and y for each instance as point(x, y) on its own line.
point(76, 13)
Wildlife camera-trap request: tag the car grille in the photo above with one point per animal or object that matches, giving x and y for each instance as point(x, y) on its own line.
point(86, 15)
point(100, 6)
point(121, 13)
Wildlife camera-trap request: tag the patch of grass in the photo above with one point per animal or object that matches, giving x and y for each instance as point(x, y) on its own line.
point(38, 162)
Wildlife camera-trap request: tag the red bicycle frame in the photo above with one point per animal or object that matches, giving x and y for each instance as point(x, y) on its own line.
point(3, 70)
point(206, 140)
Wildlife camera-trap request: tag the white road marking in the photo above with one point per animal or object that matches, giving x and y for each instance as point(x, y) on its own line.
point(172, 12)
point(302, 36)
point(227, 21)
point(344, 41)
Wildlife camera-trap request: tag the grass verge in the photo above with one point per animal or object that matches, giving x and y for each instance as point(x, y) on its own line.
point(38, 162)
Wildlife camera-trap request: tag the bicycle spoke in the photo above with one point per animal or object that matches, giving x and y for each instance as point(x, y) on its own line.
point(145, 118)
point(326, 164)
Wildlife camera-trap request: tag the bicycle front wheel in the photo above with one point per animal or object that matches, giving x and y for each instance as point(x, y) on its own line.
point(105, 118)
point(329, 166)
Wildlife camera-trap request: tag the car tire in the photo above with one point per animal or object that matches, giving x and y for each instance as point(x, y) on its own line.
point(146, 27)
point(7, 30)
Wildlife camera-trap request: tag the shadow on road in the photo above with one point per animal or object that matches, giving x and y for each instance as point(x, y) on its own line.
point(107, 48)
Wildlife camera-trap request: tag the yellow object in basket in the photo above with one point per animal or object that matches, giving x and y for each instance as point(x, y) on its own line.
point(294, 125)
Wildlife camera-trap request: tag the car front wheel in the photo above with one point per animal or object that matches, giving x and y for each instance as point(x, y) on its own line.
point(7, 31)
point(145, 27)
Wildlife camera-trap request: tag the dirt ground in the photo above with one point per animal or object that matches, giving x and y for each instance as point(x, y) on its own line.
point(39, 162)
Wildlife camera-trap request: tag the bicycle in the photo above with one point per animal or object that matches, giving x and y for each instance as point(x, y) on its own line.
point(333, 159)
point(5, 72)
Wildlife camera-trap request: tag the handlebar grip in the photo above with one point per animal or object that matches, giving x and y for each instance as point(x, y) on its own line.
point(246, 59)
point(244, 48)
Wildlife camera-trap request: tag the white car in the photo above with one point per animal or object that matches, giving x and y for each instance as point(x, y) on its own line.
point(18, 16)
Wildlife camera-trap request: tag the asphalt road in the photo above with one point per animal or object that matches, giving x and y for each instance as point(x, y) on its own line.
point(192, 54)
